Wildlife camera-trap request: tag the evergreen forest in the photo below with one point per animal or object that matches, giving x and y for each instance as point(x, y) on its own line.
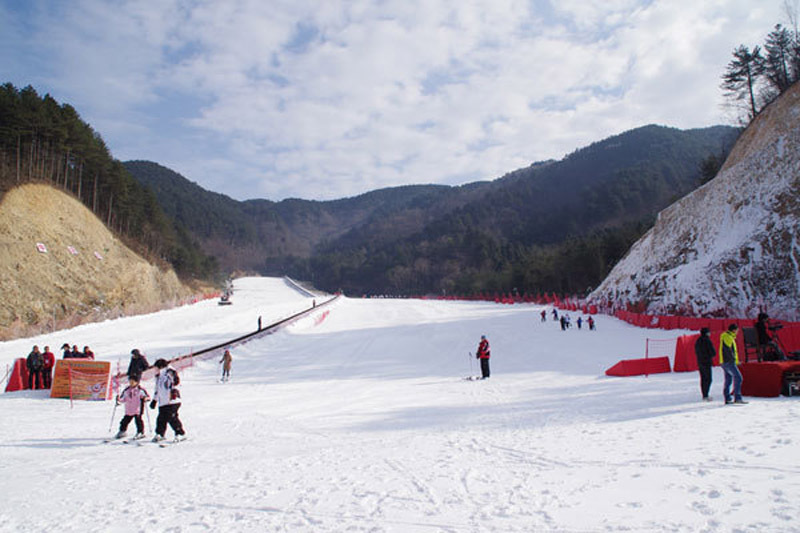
point(47, 142)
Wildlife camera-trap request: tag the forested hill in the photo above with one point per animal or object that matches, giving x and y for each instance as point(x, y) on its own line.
point(554, 226)
point(42, 141)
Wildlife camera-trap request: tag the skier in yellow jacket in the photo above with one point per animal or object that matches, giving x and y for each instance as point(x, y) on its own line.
point(729, 359)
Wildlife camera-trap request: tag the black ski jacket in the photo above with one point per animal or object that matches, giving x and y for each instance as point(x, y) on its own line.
point(704, 350)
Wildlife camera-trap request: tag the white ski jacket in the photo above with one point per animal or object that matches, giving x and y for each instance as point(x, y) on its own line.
point(166, 391)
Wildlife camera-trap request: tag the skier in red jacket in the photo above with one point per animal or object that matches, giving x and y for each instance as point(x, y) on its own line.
point(483, 354)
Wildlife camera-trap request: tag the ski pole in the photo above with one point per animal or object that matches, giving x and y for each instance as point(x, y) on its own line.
point(114, 412)
point(471, 372)
point(149, 429)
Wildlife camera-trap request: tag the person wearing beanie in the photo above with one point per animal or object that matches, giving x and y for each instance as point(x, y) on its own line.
point(704, 350)
point(133, 397)
point(137, 365)
point(168, 398)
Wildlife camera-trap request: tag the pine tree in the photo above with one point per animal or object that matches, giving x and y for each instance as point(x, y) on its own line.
point(742, 76)
point(778, 63)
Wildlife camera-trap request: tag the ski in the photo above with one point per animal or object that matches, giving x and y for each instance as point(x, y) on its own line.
point(168, 443)
point(473, 378)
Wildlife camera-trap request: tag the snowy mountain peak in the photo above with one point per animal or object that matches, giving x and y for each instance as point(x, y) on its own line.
point(731, 246)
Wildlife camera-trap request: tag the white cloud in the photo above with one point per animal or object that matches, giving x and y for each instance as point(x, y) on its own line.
point(329, 99)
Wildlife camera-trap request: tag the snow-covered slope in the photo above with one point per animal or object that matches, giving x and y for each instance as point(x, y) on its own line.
point(731, 245)
point(361, 422)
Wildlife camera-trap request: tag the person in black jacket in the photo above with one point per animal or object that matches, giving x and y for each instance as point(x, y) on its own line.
point(137, 365)
point(704, 350)
point(35, 363)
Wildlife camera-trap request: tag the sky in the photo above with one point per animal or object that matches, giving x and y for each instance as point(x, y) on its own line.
point(322, 100)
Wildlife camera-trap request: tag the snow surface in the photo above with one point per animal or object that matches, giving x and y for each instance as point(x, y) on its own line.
point(362, 422)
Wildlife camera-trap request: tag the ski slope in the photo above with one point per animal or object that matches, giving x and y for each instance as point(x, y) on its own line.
point(361, 421)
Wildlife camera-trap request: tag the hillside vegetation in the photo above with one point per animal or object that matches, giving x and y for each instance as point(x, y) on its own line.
point(42, 141)
point(102, 279)
point(554, 226)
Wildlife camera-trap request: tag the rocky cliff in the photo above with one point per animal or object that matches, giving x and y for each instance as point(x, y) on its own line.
point(731, 246)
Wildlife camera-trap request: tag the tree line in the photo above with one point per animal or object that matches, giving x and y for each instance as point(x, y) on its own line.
point(47, 142)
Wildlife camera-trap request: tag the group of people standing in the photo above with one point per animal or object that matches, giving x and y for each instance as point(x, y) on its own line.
point(40, 364)
point(75, 352)
point(728, 359)
point(566, 321)
point(40, 368)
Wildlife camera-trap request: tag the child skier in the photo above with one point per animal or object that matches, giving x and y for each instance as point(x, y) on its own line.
point(134, 398)
point(226, 365)
point(168, 398)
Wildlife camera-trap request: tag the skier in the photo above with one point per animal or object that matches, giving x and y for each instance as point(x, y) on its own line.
point(259, 323)
point(590, 320)
point(47, 369)
point(168, 398)
point(35, 362)
point(544, 315)
point(579, 322)
point(134, 398)
point(226, 365)
point(729, 359)
point(138, 365)
point(563, 321)
point(483, 354)
point(555, 314)
point(704, 351)
point(87, 353)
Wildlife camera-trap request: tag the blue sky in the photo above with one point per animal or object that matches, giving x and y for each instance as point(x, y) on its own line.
point(322, 100)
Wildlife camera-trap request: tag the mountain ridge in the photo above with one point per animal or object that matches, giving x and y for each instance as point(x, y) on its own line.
point(358, 242)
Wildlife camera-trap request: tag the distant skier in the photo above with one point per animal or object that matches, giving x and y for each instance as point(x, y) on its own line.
point(168, 398)
point(704, 351)
point(579, 322)
point(137, 365)
point(483, 354)
point(259, 323)
point(226, 365)
point(544, 315)
point(555, 314)
point(563, 321)
point(590, 321)
point(35, 363)
point(47, 369)
point(133, 397)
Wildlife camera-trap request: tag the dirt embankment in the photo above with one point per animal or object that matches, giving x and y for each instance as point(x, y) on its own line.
point(86, 273)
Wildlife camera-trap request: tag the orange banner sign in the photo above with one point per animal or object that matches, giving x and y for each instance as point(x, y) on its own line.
point(81, 379)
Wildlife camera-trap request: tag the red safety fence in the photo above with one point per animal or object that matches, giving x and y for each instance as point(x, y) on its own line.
point(640, 367)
